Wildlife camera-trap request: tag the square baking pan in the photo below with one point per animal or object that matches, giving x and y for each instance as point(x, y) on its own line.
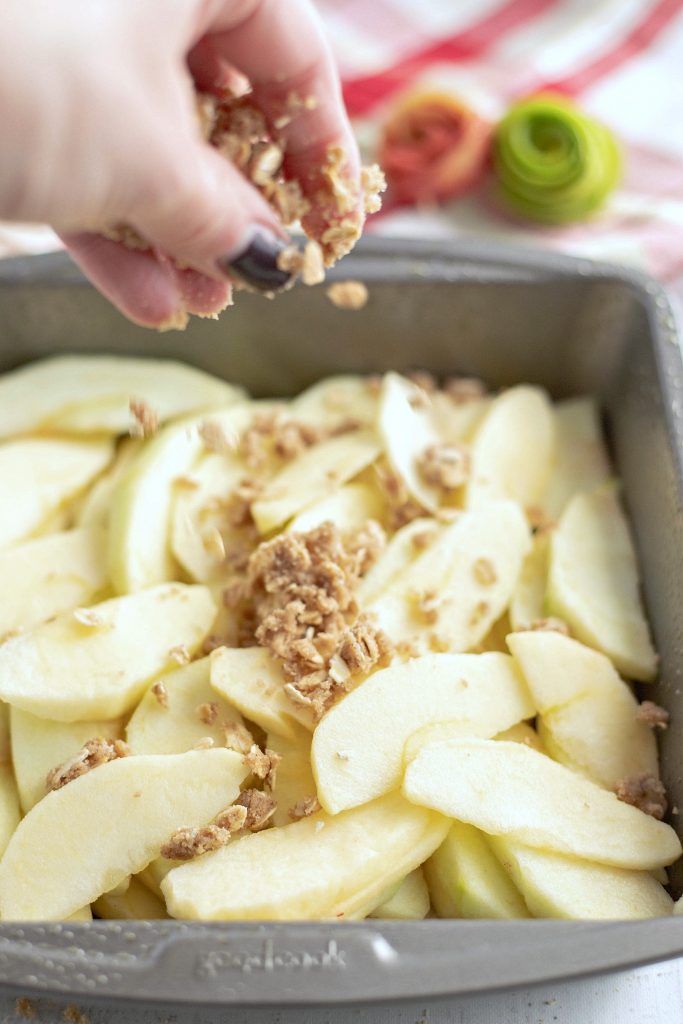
point(506, 315)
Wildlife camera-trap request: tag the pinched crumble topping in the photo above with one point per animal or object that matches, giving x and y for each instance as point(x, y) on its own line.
point(274, 434)
point(304, 808)
point(308, 264)
point(402, 508)
point(238, 737)
point(215, 437)
point(263, 764)
point(653, 715)
point(233, 818)
point(208, 712)
point(180, 654)
point(188, 843)
point(348, 294)
point(446, 466)
point(551, 624)
point(161, 694)
point(484, 572)
point(92, 754)
point(145, 419)
point(644, 791)
point(260, 808)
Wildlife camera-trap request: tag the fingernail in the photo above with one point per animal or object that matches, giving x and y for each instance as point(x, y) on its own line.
point(256, 265)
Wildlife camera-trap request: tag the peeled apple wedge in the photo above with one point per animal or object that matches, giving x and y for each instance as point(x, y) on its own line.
point(39, 745)
point(154, 728)
point(83, 914)
point(10, 815)
point(305, 871)
point(511, 790)
point(92, 393)
point(587, 713)
point(528, 598)
point(456, 422)
point(42, 474)
point(468, 575)
point(251, 680)
point(51, 575)
point(581, 462)
point(94, 508)
point(357, 747)
point(405, 433)
point(522, 733)
point(410, 902)
point(334, 400)
point(83, 839)
point(313, 475)
point(136, 904)
point(513, 449)
point(153, 875)
point(557, 886)
point(594, 586)
point(466, 880)
point(401, 551)
point(5, 746)
point(294, 780)
point(349, 508)
point(71, 671)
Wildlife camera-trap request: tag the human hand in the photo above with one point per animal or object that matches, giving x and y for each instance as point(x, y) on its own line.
point(100, 127)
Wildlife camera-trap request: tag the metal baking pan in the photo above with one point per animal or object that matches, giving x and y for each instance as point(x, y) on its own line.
point(504, 314)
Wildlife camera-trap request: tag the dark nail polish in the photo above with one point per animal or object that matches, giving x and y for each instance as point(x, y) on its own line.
point(256, 266)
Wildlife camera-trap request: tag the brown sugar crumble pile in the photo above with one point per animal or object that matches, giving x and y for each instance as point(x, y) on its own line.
point(644, 791)
point(652, 715)
point(304, 808)
point(260, 808)
point(92, 754)
point(446, 466)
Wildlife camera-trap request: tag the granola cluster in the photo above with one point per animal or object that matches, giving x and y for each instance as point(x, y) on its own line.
point(92, 754)
point(446, 466)
point(644, 791)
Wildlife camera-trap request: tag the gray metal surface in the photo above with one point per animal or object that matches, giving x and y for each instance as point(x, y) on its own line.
point(506, 315)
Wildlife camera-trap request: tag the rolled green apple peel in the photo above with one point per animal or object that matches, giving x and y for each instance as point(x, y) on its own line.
point(554, 164)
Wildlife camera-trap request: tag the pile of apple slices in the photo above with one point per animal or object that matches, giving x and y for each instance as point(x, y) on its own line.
point(498, 765)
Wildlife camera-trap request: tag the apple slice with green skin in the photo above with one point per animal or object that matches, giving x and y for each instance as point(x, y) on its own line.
point(252, 680)
point(83, 839)
point(176, 725)
point(42, 474)
point(294, 779)
point(466, 880)
point(401, 551)
point(349, 508)
point(467, 576)
point(513, 449)
point(588, 715)
point(528, 599)
point(39, 745)
point(95, 506)
point(335, 400)
point(316, 868)
point(10, 815)
point(73, 670)
point(406, 432)
point(136, 904)
point(92, 393)
point(358, 745)
point(509, 789)
point(593, 583)
point(557, 886)
point(313, 475)
point(410, 902)
point(50, 575)
point(581, 462)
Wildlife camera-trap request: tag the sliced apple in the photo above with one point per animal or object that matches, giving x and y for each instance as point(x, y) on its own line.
point(456, 422)
point(528, 599)
point(92, 393)
point(82, 914)
point(74, 670)
point(513, 448)
point(316, 473)
point(41, 475)
point(406, 432)
point(294, 781)
point(252, 680)
point(557, 886)
point(10, 815)
point(316, 868)
point(5, 745)
point(136, 904)
point(153, 875)
point(183, 717)
point(95, 506)
point(72, 847)
point(581, 462)
point(358, 746)
point(51, 575)
point(588, 714)
point(509, 789)
point(410, 902)
point(39, 745)
point(466, 880)
point(496, 638)
point(401, 551)
point(334, 400)
point(522, 733)
point(593, 583)
point(349, 508)
point(452, 594)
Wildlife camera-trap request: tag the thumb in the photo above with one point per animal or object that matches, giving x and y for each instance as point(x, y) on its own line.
point(196, 207)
